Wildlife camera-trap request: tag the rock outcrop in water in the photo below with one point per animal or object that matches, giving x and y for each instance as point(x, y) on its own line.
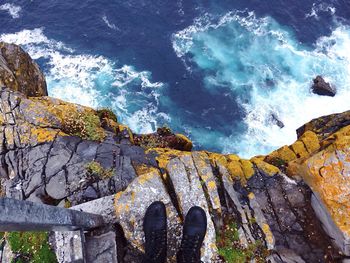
point(321, 87)
point(289, 206)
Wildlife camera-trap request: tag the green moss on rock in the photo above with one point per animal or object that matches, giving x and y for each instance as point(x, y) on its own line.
point(31, 247)
point(95, 169)
point(231, 250)
point(107, 113)
point(85, 124)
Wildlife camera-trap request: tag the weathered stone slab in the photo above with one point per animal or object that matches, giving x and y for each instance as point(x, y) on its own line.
point(103, 206)
point(189, 192)
point(131, 205)
point(68, 246)
point(341, 239)
point(101, 248)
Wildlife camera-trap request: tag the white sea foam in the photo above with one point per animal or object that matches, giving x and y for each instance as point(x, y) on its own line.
point(320, 7)
point(13, 10)
point(94, 81)
point(109, 24)
point(247, 53)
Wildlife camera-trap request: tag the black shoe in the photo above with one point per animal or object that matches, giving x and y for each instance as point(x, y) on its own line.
point(193, 235)
point(155, 229)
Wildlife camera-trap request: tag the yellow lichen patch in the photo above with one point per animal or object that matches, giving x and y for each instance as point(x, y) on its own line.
point(42, 135)
point(60, 109)
point(1, 119)
point(286, 154)
point(118, 206)
point(327, 173)
point(248, 169)
point(299, 149)
point(9, 135)
point(216, 158)
point(283, 155)
point(211, 185)
point(235, 170)
point(144, 178)
point(268, 234)
point(311, 141)
point(142, 169)
point(124, 128)
point(232, 157)
point(251, 195)
point(267, 168)
point(164, 155)
point(188, 143)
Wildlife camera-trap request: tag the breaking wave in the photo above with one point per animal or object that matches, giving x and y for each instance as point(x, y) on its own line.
point(95, 81)
point(269, 72)
point(13, 10)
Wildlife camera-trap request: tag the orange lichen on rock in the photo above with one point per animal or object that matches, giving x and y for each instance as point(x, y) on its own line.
point(164, 155)
point(267, 168)
point(41, 135)
point(299, 148)
point(186, 141)
point(310, 141)
point(327, 173)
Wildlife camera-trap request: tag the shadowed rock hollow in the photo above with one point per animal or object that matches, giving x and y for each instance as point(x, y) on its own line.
point(289, 206)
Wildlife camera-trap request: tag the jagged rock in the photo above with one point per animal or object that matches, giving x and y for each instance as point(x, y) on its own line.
point(321, 87)
point(324, 126)
point(163, 138)
point(276, 120)
point(19, 72)
point(327, 173)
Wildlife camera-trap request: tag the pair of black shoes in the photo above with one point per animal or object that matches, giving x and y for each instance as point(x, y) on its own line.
point(155, 228)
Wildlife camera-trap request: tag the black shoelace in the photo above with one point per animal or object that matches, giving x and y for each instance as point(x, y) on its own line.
point(190, 249)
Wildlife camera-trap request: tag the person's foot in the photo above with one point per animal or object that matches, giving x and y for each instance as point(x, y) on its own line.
point(194, 230)
point(155, 229)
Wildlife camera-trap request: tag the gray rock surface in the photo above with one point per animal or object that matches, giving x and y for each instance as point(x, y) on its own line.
point(68, 246)
point(321, 87)
point(101, 248)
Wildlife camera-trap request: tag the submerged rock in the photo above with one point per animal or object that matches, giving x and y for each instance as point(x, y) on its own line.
point(321, 87)
point(277, 121)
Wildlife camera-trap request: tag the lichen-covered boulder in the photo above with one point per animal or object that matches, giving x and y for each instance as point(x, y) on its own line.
point(163, 138)
point(269, 213)
point(327, 173)
point(19, 72)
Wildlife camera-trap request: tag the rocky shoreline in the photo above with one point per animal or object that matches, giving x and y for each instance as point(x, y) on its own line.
point(289, 206)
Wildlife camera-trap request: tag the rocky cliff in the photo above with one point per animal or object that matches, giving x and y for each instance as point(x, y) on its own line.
point(292, 205)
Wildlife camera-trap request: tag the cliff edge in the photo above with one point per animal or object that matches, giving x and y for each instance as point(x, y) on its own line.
point(289, 206)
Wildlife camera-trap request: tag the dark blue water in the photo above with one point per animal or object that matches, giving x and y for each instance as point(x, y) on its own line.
point(215, 70)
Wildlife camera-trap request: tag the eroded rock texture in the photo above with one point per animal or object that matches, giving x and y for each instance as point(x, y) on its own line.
point(19, 72)
point(42, 162)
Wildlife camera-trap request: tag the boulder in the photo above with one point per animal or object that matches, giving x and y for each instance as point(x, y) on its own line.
point(327, 172)
point(163, 138)
point(19, 72)
point(321, 87)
